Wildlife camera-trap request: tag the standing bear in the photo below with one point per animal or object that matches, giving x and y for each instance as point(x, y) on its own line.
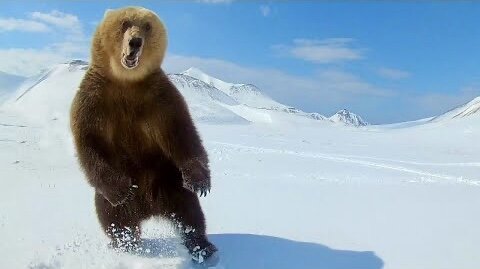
point(135, 138)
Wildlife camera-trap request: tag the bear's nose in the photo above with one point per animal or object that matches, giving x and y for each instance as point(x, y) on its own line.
point(135, 43)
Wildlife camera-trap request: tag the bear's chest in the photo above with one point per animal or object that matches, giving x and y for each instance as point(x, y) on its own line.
point(127, 127)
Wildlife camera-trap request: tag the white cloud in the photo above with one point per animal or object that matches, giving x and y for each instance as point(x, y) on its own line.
point(68, 23)
point(325, 51)
point(265, 10)
point(45, 22)
point(27, 62)
point(337, 80)
point(71, 43)
point(59, 19)
point(12, 24)
point(391, 73)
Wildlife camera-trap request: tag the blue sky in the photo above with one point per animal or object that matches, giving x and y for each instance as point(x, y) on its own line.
point(388, 62)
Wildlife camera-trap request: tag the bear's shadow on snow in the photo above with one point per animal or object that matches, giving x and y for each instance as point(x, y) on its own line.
point(240, 251)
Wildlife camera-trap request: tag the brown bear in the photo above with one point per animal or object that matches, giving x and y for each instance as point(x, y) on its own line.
point(135, 138)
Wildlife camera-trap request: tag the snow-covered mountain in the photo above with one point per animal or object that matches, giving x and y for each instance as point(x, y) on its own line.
point(468, 109)
point(206, 103)
point(250, 95)
point(348, 118)
point(247, 94)
point(9, 83)
point(48, 95)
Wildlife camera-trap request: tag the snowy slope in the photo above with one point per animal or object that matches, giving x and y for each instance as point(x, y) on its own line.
point(294, 194)
point(348, 118)
point(206, 103)
point(48, 96)
point(471, 108)
point(9, 83)
point(264, 108)
point(39, 98)
point(314, 196)
point(247, 94)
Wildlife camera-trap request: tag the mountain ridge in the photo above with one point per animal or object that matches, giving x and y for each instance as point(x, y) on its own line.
point(210, 99)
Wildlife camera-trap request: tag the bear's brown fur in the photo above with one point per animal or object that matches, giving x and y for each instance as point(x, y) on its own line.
point(134, 136)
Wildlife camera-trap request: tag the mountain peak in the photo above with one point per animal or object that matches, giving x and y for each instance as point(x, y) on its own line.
point(199, 74)
point(348, 118)
point(212, 81)
point(193, 70)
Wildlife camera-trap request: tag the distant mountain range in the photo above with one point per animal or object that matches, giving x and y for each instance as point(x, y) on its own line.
point(210, 99)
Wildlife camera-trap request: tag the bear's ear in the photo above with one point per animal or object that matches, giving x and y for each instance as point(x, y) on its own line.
point(108, 10)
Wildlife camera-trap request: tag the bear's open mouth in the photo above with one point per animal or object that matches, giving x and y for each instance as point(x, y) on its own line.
point(130, 62)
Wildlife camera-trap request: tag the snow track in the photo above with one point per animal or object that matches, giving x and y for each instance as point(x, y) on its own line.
point(350, 160)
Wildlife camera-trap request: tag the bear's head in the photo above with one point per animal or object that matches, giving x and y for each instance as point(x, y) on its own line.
point(129, 43)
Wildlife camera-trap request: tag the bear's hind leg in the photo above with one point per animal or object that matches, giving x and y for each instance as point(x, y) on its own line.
point(183, 208)
point(121, 223)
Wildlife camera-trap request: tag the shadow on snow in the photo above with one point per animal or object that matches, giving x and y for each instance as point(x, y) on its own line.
point(240, 251)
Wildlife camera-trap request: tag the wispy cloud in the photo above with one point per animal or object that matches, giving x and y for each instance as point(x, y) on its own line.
point(338, 80)
point(27, 62)
point(66, 22)
point(71, 43)
point(265, 10)
point(391, 73)
point(325, 51)
point(12, 24)
point(59, 19)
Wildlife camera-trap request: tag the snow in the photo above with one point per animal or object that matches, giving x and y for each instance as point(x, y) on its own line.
point(247, 94)
point(207, 102)
point(288, 191)
point(256, 106)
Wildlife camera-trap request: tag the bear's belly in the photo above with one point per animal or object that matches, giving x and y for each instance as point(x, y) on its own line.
point(136, 151)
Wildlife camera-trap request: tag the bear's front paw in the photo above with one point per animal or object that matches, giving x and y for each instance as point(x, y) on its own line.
point(196, 177)
point(120, 198)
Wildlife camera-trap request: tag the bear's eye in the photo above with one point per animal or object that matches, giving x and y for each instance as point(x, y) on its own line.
point(126, 25)
point(147, 27)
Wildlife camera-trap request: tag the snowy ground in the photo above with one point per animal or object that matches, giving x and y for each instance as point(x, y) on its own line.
point(289, 192)
point(284, 196)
